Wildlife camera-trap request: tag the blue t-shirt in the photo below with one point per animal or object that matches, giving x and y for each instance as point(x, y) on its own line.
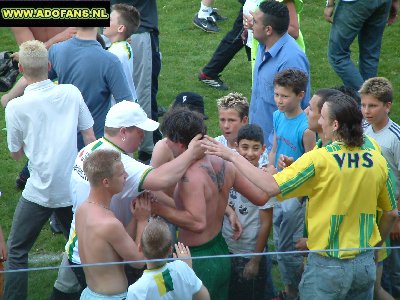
point(289, 135)
point(284, 54)
point(97, 73)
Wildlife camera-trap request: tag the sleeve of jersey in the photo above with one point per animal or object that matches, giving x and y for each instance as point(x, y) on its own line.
point(143, 177)
point(387, 198)
point(295, 180)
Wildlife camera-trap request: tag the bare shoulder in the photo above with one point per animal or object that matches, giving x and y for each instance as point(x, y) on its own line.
point(161, 154)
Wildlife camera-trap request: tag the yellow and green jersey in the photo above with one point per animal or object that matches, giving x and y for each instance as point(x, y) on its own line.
point(344, 186)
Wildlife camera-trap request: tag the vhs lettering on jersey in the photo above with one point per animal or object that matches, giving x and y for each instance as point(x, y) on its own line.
point(354, 160)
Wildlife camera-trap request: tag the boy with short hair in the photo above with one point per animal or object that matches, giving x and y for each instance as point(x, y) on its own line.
point(291, 138)
point(249, 274)
point(161, 280)
point(124, 21)
point(233, 113)
point(376, 102)
point(102, 237)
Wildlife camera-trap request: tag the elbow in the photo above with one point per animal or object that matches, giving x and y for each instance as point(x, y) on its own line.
point(198, 227)
point(393, 215)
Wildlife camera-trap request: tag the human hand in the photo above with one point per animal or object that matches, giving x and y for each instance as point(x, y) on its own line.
point(328, 14)
point(3, 247)
point(235, 225)
point(65, 35)
point(213, 147)
point(395, 233)
point(393, 12)
point(141, 207)
point(244, 36)
point(182, 251)
point(284, 161)
point(195, 146)
point(15, 56)
point(248, 20)
point(251, 269)
point(301, 244)
point(269, 169)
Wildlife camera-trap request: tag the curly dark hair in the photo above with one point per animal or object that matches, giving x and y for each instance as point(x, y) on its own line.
point(292, 78)
point(344, 110)
point(276, 15)
point(181, 125)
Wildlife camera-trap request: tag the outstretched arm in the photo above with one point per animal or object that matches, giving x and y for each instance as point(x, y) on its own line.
point(262, 180)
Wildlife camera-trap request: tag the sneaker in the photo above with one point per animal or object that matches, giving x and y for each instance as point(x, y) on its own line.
point(213, 82)
point(216, 16)
point(208, 24)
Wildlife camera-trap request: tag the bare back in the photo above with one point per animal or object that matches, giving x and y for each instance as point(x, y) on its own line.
point(204, 190)
point(94, 227)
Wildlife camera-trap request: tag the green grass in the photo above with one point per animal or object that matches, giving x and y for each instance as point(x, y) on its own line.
point(185, 50)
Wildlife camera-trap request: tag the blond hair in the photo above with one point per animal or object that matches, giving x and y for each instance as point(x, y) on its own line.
point(100, 164)
point(379, 88)
point(33, 57)
point(156, 239)
point(235, 101)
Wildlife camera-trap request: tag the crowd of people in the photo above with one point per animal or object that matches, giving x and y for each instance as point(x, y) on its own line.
point(321, 172)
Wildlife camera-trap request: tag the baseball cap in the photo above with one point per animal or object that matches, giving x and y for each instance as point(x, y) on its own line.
point(191, 100)
point(127, 114)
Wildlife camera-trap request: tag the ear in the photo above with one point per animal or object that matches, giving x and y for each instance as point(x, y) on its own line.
point(105, 182)
point(20, 68)
point(335, 125)
point(388, 106)
point(263, 148)
point(236, 145)
point(140, 247)
point(121, 28)
point(301, 95)
point(245, 120)
point(49, 65)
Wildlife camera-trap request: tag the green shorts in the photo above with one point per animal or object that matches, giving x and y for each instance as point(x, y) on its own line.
point(214, 272)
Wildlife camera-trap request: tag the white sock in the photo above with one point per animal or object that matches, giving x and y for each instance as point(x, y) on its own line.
point(204, 11)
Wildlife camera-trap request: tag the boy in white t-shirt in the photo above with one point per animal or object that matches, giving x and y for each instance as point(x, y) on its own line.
point(124, 21)
point(249, 274)
point(161, 280)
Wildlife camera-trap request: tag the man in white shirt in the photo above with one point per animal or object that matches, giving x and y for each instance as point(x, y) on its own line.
point(43, 125)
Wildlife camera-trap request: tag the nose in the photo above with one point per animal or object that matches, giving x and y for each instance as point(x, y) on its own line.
point(307, 110)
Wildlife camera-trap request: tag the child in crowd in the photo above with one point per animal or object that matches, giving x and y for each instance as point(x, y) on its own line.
point(291, 138)
point(249, 274)
point(124, 21)
point(376, 102)
point(233, 113)
point(161, 280)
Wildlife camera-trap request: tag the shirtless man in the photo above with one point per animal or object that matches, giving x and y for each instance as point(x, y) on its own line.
point(201, 197)
point(102, 237)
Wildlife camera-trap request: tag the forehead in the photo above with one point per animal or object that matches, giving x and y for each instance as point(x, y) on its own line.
point(230, 112)
point(114, 14)
point(250, 143)
point(258, 15)
point(314, 101)
point(283, 89)
point(369, 99)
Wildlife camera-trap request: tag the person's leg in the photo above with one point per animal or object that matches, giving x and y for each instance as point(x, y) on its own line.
point(362, 286)
point(379, 292)
point(325, 278)
point(391, 271)
point(205, 8)
point(291, 229)
point(27, 223)
point(66, 286)
point(64, 216)
point(347, 22)
point(227, 49)
point(142, 75)
point(155, 72)
point(370, 40)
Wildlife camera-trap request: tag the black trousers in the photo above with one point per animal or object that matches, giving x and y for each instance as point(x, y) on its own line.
point(227, 49)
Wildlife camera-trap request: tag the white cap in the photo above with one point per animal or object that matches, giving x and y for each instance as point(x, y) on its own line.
point(127, 114)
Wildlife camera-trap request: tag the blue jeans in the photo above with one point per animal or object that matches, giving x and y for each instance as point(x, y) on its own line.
point(335, 279)
point(288, 227)
point(391, 271)
point(367, 20)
